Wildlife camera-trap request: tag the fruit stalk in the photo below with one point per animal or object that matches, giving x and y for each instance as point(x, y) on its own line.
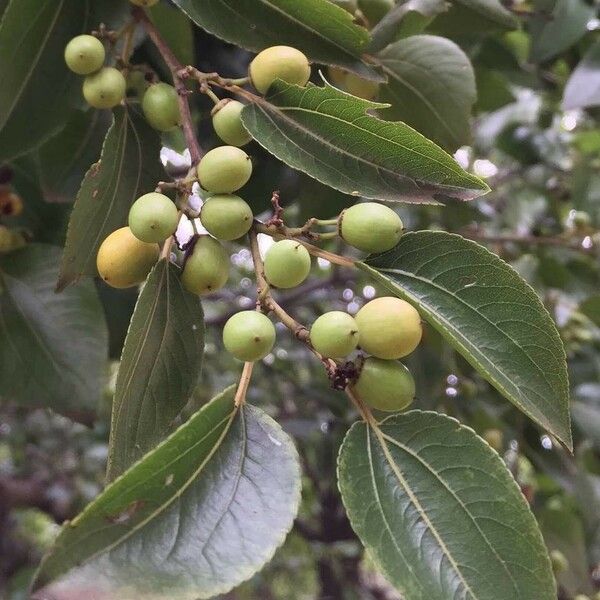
point(175, 67)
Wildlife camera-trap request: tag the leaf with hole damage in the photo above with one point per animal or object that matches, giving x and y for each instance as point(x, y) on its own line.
point(440, 513)
point(192, 519)
point(329, 135)
point(128, 167)
point(489, 314)
point(159, 369)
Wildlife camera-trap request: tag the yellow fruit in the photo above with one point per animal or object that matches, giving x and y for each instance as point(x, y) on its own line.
point(279, 62)
point(124, 261)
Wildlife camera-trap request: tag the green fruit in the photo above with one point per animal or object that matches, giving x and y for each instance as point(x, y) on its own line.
point(224, 170)
point(287, 264)
point(206, 269)
point(559, 561)
point(385, 385)
point(361, 87)
point(153, 217)
point(227, 121)
point(84, 54)
point(227, 216)
point(334, 334)
point(161, 106)
point(146, 3)
point(279, 62)
point(370, 227)
point(389, 327)
point(249, 335)
point(104, 89)
point(124, 261)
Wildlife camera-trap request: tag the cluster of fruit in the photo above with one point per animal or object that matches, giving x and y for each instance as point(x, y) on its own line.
point(386, 328)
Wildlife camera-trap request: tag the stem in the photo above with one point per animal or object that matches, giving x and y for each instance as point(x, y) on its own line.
point(128, 43)
point(362, 408)
point(242, 389)
point(175, 67)
point(166, 249)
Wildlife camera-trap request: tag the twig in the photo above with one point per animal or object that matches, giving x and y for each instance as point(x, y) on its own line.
point(175, 67)
point(242, 389)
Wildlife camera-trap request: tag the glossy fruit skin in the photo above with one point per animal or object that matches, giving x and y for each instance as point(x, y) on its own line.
point(146, 3)
point(249, 335)
point(279, 62)
point(385, 385)
point(206, 269)
point(370, 227)
point(224, 170)
point(105, 88)
point(161, 106)
point(287, 264)
point(153, 217)
point(389, 327)
point(334, 334)
point(124, 261)
point(362, 88)
point(227, 121)
point(85, 54)
point(226, 216)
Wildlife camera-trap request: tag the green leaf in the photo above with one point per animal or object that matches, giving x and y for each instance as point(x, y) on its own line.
point(431, 87)
point(65, 158)
point(328, 134)
point(129, 166)
point(195, 517)
point(325, 32)
point(492, 10)
point(583, 88)
point(159, 368)
point(33, 34)
point(489, 314)
point(591, 309)
point(53, 348)
point(557, 25)
point(440, 513)
point(406, 18)
point(176, 30)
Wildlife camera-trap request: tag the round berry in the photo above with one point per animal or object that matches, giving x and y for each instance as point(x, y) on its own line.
point(224, 170)
point(370, 227)
point(161, 106)
point(334, 334)
point(124, 261)
point(85, 54)
point(206, 269)
point(279, 62)
point(389, 327)
point(249, 335)
point(287, 264)
point(153, 217)
point(361, 87)
point(226, 216)
point(105, 88)
point(385, 384)
point(227, 121)
point(146, 3)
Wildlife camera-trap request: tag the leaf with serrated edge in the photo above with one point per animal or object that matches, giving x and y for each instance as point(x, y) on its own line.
point(159, 368)
point(53, 349)
point(440, 513)
point(329, 135)
point(431, 87)
point(489, 314)
point(192, 519)
point(129, 166)
point(325, 32)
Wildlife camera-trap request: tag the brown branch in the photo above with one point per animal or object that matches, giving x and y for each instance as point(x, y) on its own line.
point(175, 67)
